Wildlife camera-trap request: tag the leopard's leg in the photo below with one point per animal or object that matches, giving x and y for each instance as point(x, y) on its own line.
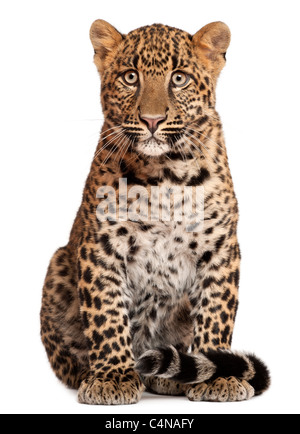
point(61, 329)
point(113, 379)
point(215, 303)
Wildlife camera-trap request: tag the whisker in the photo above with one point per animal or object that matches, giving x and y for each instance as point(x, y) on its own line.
point(122, 147)
point(136, 154)
point(108, 135)
point(128, 143)
point(110, 153)
point(103, 137)
point(108, 143)
point(100, 134)
point(112, 128)
point(202, 144)
point(211, 116)
point(115, 147)
point(211, 156)
point(181, 151)
point(189, 144)
point(166, 155)
point(104, 147)
point(208, 138)
point(192, 145)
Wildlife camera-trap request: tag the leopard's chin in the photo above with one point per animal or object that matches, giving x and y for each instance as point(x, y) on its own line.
point(153, 148)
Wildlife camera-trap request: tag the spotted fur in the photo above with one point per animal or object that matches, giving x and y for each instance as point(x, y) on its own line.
point(128, 302)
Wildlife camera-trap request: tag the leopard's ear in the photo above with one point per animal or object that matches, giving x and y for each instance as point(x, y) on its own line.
point(211, 44)
point(105, 39)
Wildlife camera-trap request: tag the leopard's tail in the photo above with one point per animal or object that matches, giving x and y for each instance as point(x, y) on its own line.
point(190, 368)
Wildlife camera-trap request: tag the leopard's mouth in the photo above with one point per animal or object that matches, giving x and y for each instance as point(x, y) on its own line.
point(153, 147)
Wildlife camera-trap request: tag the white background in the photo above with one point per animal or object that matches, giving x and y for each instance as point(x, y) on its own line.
point(49, 101)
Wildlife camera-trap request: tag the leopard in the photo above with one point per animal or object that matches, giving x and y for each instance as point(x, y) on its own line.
point(144, 303)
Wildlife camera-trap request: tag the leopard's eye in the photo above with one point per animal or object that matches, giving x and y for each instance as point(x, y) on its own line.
point(131, 78)
point(180, 79)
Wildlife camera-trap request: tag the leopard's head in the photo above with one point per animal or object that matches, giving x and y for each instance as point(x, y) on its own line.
point(158, 82)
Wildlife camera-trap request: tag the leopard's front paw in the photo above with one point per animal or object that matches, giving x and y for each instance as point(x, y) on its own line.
point(111, 389)
point(220, 390)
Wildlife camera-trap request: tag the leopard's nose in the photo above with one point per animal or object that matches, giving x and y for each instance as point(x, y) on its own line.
point(153, 122)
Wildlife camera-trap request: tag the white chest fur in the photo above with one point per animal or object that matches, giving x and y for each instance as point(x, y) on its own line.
point(158, 260)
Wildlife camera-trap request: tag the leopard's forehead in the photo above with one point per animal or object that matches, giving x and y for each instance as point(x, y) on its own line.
point(159, 36)
point(157, 46)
